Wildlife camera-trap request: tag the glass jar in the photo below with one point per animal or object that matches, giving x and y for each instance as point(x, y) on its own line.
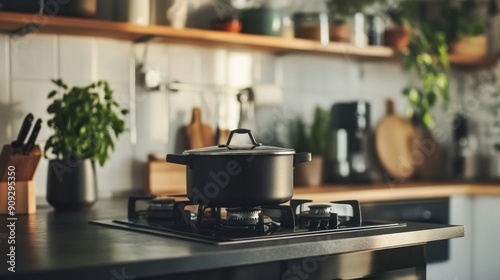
point(313, 25)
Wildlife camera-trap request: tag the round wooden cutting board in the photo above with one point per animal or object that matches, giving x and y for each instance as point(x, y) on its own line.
point(394, 142)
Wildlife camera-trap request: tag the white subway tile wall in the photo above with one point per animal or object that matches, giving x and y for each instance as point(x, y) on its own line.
point(113, 60)
point(307, 81)
point(30, 96)
point(34, 57)
point(5, 108)
point(77, 57)
point(184, 63)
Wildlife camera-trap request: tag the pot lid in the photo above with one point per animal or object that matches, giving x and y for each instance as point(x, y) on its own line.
point(245, 149)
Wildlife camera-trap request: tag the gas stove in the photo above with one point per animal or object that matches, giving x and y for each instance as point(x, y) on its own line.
point(300, 218)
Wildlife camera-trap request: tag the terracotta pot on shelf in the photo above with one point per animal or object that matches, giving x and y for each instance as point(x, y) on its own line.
point(227, 24)
point(470, 46)
point(397, 38)
point(309, 173)
point(339, 33)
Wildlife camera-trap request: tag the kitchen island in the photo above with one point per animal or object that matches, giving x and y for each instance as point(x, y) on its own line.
point(54, 245)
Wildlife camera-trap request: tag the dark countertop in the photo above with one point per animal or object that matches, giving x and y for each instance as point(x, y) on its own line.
point(51, 245)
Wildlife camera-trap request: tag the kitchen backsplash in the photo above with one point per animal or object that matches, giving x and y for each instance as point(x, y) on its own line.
point(28, 63)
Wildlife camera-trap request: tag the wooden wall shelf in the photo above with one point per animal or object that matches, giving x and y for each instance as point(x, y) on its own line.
point(27, 23)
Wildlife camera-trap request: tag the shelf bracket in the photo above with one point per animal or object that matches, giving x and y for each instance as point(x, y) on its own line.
point(146, 39)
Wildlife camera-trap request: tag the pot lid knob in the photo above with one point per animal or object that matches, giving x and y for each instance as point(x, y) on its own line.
point(240, 131)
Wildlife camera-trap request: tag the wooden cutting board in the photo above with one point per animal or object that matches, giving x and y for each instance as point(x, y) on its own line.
point(429, 164)
point(199, 134)
point(394, 143)
point(221, 136)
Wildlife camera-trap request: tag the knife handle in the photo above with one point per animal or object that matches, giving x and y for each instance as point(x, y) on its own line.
point(33, 136)
point(23, 132)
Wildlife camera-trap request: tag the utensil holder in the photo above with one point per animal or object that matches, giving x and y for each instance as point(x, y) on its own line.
point(22, 170)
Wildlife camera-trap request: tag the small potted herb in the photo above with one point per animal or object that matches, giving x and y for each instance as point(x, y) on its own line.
point(467, 30)
point(397, 34)
point(339, 12)
point(86, 122)
point(313, 139)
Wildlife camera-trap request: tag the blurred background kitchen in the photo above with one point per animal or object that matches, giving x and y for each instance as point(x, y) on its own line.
point(268, 83)
point(384, 93)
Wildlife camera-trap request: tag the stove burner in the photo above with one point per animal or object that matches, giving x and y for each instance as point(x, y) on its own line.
point(161, 203)
point(160, 208)
point(320, 209)
point(328, 216)
point(184, 219)
point(247, 219)
point(243, 214)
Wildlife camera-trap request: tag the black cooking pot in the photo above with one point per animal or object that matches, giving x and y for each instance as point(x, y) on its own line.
point(239, 176)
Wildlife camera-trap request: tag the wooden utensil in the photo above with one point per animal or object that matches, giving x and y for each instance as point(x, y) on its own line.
point(199, 134)
point(221, 136)
point(428, 156)
point(394, 143)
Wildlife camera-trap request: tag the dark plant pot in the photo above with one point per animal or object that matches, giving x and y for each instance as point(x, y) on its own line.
point(397, 38)
point(71, 184)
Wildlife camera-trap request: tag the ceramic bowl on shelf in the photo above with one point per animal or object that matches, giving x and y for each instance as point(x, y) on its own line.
point(263, 21)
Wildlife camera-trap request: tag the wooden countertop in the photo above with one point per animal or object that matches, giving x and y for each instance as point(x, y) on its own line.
point(383, 192)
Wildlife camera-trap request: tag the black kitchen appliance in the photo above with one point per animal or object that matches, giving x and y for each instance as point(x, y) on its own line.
point(215, 225)
point(347, 152)
point(465, 165)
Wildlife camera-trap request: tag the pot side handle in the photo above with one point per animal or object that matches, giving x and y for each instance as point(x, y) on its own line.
point(301, 158)
point(179, 159)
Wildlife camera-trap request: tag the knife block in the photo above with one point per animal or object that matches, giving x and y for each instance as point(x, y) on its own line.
point(24, 168)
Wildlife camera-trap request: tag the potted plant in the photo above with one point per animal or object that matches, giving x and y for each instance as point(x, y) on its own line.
point(86, 121)
point(427, 57)
point(467, 30)
point(339, 12)
point(397, 34)
point(311, 139)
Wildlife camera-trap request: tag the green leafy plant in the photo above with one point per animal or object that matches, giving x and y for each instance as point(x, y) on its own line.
point(460, 19)
point(341, 9)
point(313, 138)
point(468, 22)
point(84, 121)
point(469, 28)
point(404, 14)
point(427, 56)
